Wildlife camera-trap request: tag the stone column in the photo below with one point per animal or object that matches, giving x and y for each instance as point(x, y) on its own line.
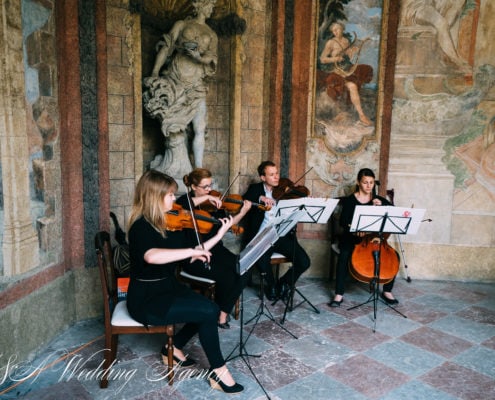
point(20, 241)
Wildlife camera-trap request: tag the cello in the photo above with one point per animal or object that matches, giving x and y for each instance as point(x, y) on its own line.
point(362, 265)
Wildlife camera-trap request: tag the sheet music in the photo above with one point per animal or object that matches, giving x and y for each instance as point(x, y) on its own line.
point(256, 248)
point(284, 224)
point(400, 219)
point(318, 210)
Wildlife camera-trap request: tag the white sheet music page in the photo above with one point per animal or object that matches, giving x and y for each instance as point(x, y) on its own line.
point(257, 247)
point(399, 220)
point(318, 210)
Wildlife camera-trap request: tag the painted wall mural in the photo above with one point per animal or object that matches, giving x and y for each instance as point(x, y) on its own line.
point(346, 94)
point(442, 125)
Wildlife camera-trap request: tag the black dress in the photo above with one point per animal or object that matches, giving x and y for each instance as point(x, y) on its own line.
point(349, 240)
point(223, 268)
point(156, 297)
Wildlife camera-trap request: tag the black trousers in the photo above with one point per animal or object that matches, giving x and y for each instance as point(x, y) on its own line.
point(290, 248)
point(200, 316)
point(222, 270)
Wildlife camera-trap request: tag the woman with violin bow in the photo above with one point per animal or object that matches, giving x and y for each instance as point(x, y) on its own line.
point(356, 248)
point(268, 192)
point(155, 296)
point(223, 262)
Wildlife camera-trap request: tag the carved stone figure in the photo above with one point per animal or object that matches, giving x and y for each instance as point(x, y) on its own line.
point(175, 93)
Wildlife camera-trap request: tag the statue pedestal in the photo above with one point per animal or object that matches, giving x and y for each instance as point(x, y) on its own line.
point(175, 161)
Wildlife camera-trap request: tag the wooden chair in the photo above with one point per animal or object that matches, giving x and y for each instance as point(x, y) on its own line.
point(117, 318)
point(276, 260)
point(204, 286)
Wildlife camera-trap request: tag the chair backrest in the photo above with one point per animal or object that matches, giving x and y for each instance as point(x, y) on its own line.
point(108, 278)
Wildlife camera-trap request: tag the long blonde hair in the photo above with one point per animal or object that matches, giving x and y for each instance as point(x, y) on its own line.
point(150, 191)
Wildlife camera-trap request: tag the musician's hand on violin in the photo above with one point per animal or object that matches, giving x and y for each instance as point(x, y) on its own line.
point(268, 201)
point(215, 201)
point(226, 224)
point(200, 254)
point(246, 206)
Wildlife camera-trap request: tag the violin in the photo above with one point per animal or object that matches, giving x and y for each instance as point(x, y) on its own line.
point(178, 219)
point(362, 265)
point(231, 203)
point(287, 189)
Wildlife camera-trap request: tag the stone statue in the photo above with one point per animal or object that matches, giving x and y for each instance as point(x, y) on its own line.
point(175, 93)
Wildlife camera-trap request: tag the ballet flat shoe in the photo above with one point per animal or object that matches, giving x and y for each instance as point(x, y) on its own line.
point(389, 301)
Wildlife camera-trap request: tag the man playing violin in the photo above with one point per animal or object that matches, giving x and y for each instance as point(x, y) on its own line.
point(364, 195)
point(287, 245)
point(223, 262)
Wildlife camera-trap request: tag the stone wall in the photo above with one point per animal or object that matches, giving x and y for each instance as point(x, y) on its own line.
point(124, 106)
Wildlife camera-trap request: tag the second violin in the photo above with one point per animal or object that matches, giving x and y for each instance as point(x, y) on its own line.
point(231, 203)
point(287, 189)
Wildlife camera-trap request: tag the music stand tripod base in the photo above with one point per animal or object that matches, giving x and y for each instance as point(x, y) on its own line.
point(263, 310)
point(377, 219)
point(289, 304)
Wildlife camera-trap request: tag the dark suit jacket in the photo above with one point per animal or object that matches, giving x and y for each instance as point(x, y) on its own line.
point(253, 219)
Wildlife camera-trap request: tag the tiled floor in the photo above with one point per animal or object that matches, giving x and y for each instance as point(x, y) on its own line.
point(444, 349)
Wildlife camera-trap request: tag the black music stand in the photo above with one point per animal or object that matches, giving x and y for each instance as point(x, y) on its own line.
point(280, 226)
point(246, 259)
point(309, 210)
point(385, 219)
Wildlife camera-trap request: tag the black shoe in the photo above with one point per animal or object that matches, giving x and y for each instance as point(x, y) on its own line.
point(189, 362)
point(283, 291)
point(270, 293)
point(389, 301)
point(224, 325)
point(335, 303)
point(216, 383)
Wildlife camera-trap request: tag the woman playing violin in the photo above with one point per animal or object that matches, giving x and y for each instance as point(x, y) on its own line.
point(364, 195)
point(223, 262)
point(287, 245)
point(155, 297)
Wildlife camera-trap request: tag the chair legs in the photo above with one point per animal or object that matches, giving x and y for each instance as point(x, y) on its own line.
point(170, 354)
point(110, 351)
point(237, 309)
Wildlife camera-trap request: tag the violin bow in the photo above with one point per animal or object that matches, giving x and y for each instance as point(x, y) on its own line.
point(302, 176)
point(195, 224)
point(230, 185)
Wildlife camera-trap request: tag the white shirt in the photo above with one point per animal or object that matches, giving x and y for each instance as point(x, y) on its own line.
point(269, 215)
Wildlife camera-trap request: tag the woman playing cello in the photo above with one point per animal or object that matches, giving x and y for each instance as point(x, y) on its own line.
point(364, 195)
